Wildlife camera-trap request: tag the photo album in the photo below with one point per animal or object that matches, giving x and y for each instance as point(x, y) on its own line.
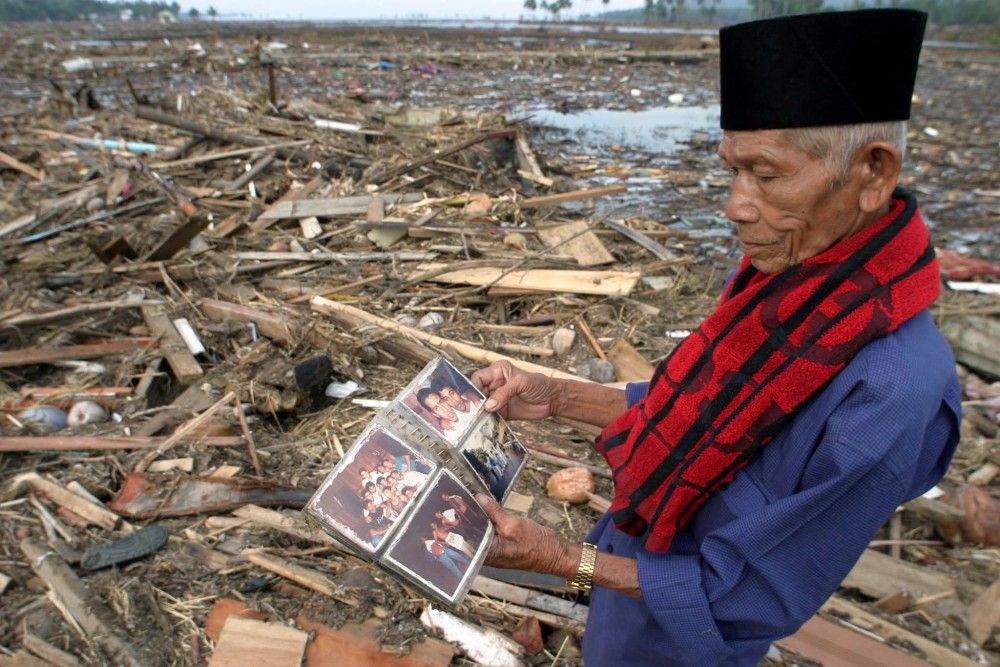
point(403, 495)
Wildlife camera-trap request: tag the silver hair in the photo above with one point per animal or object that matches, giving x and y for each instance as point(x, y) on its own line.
point(836, 145)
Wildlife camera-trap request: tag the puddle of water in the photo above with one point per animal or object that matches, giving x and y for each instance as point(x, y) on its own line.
point(662, 130)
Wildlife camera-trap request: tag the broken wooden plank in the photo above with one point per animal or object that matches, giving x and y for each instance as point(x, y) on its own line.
point(974, 341)
point(85, 508)
point(83, 608)
point(191, 401)
point(354, 645)
point(441, 153)
point(832, 645)
point(576, 240)
point(984, 614)
point(183, 432)
point(38, 319)
point(293, 194)
point(575, 195)
point(310, 227)
point(303, 576)
point(52, 655)
point(51, 443)
point(529, 598)
point(357, 317)
point(630, 366)
point(638, 237)
point(185, 367)
point(288, 524)
point(45, 355)
point(223, 155)
point(245, 641)
point(265, 255)
point(71, 200)
point(878, 575)
point(178, 238)
point(527, 163)
point(326, 208)
point(16, 164)
point(607, 283)
point(935, 653)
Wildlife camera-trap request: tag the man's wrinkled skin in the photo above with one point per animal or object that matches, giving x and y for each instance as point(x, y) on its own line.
point(787, 207)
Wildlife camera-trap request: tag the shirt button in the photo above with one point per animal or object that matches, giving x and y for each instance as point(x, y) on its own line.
point(611, 549)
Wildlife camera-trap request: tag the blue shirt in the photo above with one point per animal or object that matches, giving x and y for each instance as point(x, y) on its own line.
point(761, 556)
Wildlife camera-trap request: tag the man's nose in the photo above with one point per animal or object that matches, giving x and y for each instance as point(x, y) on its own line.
point(740, 207)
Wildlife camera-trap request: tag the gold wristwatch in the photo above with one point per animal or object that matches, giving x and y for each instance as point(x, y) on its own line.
point(584, 579)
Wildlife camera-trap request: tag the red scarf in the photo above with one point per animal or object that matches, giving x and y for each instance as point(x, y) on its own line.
point(772, 343)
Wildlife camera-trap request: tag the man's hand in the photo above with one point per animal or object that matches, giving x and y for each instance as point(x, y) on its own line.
point(522, 544)
point(514, 394)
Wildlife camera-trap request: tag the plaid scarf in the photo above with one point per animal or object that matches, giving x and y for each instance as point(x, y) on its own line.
point(772, 343)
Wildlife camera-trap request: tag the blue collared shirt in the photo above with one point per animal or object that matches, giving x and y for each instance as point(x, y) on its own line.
point(761, 556)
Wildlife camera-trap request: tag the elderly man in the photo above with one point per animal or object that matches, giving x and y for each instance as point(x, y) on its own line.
point(768, 448)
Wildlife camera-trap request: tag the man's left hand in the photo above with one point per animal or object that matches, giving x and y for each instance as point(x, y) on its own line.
point(522, 544)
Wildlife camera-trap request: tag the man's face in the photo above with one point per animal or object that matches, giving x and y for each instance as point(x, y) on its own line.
point(452, 398)
point(782, 201)
point(439, 407)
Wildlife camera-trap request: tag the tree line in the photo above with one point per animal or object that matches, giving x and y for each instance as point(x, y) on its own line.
point(72, 10)
point(940, 11)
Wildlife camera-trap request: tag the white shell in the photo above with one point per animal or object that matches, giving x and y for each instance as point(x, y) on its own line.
point(86, 412)
point(407, 320)
point(431, 321)
point(563, 339)
point(52, 419)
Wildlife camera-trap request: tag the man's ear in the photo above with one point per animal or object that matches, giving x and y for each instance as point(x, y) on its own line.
point(879, 163)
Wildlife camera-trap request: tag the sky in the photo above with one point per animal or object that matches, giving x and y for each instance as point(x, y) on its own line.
point(353, 9)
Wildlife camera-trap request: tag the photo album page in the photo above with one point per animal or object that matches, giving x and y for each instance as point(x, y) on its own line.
point(403, 496)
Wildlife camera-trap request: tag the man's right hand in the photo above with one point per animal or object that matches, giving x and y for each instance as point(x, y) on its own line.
point(515, 394)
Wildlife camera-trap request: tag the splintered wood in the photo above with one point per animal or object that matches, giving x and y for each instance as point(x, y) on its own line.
point(576, 240)
point(245, 641)
point(608, 283)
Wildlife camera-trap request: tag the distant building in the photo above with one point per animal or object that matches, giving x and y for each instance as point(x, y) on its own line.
point(166, 16)
point(125, 15)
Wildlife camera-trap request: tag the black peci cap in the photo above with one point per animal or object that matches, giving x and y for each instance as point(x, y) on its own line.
point(832, 68)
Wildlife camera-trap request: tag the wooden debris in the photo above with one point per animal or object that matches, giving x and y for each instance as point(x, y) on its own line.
point(45, 443)
point(80, 605)
point(41, 355)
point(328, 208)
point(357, 645)
point(4, 582)
point(82, 507)
point(935, 653)
point(303, 576)
point(576, 240)
point(245, 641)
point(185, 367)
point(974, 341)
point(575, 195)
point(649, 244)
point(630, 366)
point(49, 653)
point(14, 163)
point(222, 609)
point(832, 645)
point(608, 283)
point(984, 614)
point(878, 575)
point(183, 431)
point(356, 316)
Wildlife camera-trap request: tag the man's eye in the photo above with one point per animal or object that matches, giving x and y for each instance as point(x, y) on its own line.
point(766, 178)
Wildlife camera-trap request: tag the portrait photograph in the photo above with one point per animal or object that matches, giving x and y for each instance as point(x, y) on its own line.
point(495, 455)
point(445, 400)
point(443, 539)
point(371, 489)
